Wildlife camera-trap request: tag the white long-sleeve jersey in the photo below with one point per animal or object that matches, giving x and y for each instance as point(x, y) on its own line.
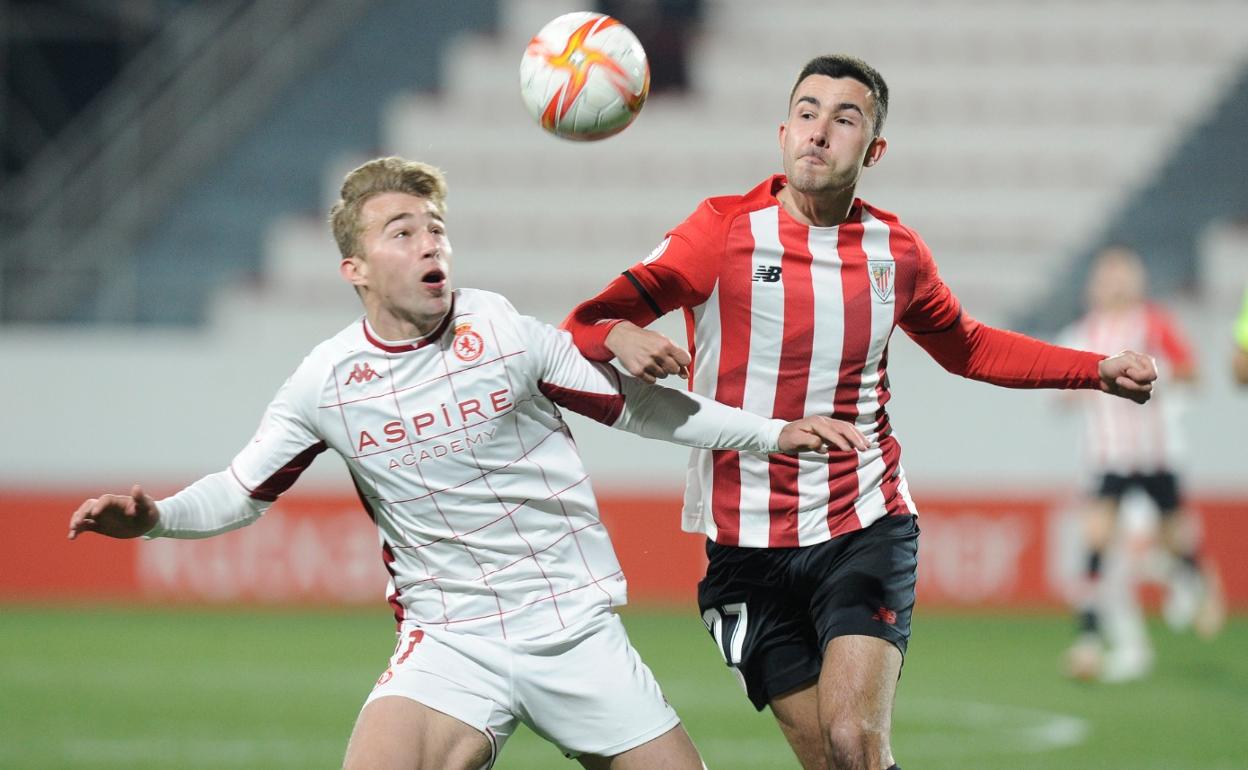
point(455, 443)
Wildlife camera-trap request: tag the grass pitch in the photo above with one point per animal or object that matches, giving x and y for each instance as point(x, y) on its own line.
point(160, 688)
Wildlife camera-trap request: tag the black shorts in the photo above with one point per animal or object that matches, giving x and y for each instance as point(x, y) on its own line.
point(1162, 487)
point(772, 611)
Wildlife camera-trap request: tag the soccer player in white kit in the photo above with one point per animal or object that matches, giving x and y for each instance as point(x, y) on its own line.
point(445, 406)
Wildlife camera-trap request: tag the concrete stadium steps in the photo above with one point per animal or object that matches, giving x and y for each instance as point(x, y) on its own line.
point(1015, 128)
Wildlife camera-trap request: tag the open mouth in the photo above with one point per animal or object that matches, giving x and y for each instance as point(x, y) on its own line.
point(434, 277)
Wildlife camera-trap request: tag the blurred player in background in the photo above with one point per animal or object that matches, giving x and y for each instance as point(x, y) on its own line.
point(1135, 449)
point(445, 406)
point(791, 292)
point(1239, 360)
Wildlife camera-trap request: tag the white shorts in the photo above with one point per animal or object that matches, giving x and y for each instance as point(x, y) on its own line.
point(586, 690)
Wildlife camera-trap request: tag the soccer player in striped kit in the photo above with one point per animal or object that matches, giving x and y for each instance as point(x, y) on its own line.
point(790, 292)
point(445, 406)
point(1126, 449)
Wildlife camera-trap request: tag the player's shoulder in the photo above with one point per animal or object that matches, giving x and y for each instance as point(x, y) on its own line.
point(344, 344)
point(905, 240)
point(728, 207)
point(481, 301)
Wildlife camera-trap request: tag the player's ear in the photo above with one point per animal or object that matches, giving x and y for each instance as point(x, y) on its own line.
point(354, 271)
point(783, 127)
point(875, 151)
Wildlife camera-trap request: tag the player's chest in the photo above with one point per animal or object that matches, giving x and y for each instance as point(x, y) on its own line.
point(427, 397)
point(801, 288)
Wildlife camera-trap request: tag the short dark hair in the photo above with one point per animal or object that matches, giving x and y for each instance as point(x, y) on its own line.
point(845, 66)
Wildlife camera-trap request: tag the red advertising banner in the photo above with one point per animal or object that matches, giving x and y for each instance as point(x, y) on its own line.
point(974, 551)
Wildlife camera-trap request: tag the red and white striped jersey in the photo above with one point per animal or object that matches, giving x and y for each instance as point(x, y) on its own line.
point(786, 319)
point(458, 450)
point(1123, 437)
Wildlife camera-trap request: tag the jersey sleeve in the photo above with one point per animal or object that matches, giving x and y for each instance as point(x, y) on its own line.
point(1006, 358)
point(680, 272)
point(1173, 344)
point(286, 442)
point(605, 394)
point(936, 320)
point(933, 306)
point(210, 506)
point(282, 448)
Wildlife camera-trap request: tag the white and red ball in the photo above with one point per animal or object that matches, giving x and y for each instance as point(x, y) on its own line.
point(584, 76)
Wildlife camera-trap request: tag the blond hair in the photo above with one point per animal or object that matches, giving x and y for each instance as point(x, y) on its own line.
point(381, 175)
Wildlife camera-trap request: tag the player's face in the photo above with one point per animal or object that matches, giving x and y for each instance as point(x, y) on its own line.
point(827, 139)
point(404, 271)
point(1117, 280)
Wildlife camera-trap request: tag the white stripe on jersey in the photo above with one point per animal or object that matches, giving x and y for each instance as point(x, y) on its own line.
point(696, 515)
point(825, 365)
point(766, 329)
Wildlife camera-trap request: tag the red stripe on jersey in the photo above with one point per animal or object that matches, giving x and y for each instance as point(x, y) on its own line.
point(387, 558)
point(603, 407)
point(735, 308)
point(272, 487)
point(793, 377)
point(856, 290)
point(894, 503)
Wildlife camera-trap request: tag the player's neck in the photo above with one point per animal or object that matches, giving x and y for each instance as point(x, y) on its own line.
point(827, 210)
point(392, 328)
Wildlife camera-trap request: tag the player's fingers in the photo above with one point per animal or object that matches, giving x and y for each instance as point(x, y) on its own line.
point(831, 436)
point(1130, 383)
point(142, 502)
point(81, 520)
point(1139, 393)
point(684, 372)
point(854, 435)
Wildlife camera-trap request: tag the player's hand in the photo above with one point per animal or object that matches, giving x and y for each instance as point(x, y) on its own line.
point(122, 516)
point(646, 354)
point(1129, 375)
point(818, 433)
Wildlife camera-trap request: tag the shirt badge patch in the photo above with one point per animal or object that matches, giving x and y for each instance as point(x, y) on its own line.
point(468, 345)
point(881, 272)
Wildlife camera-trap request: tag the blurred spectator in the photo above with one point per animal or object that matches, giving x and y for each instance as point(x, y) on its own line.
point(1135, 448)
point(1240, 360)
point(664, 28)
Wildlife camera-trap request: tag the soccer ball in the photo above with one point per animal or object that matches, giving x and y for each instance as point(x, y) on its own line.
point(584, 76)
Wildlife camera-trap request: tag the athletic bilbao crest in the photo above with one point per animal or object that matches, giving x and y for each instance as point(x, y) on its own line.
point(468, 345)
point(881, 272)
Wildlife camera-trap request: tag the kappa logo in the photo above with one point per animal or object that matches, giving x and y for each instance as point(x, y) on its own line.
point(468, 345)
point(767, 273)
point(881, 272)
point(361, 373)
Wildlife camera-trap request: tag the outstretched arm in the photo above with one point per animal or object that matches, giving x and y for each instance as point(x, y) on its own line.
point(979, 352)
point(210, 506)
point(603, 393)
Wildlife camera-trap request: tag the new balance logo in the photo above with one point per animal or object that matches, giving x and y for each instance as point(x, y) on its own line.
point(361, 373)
point(767, 273)
point(885, 615)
